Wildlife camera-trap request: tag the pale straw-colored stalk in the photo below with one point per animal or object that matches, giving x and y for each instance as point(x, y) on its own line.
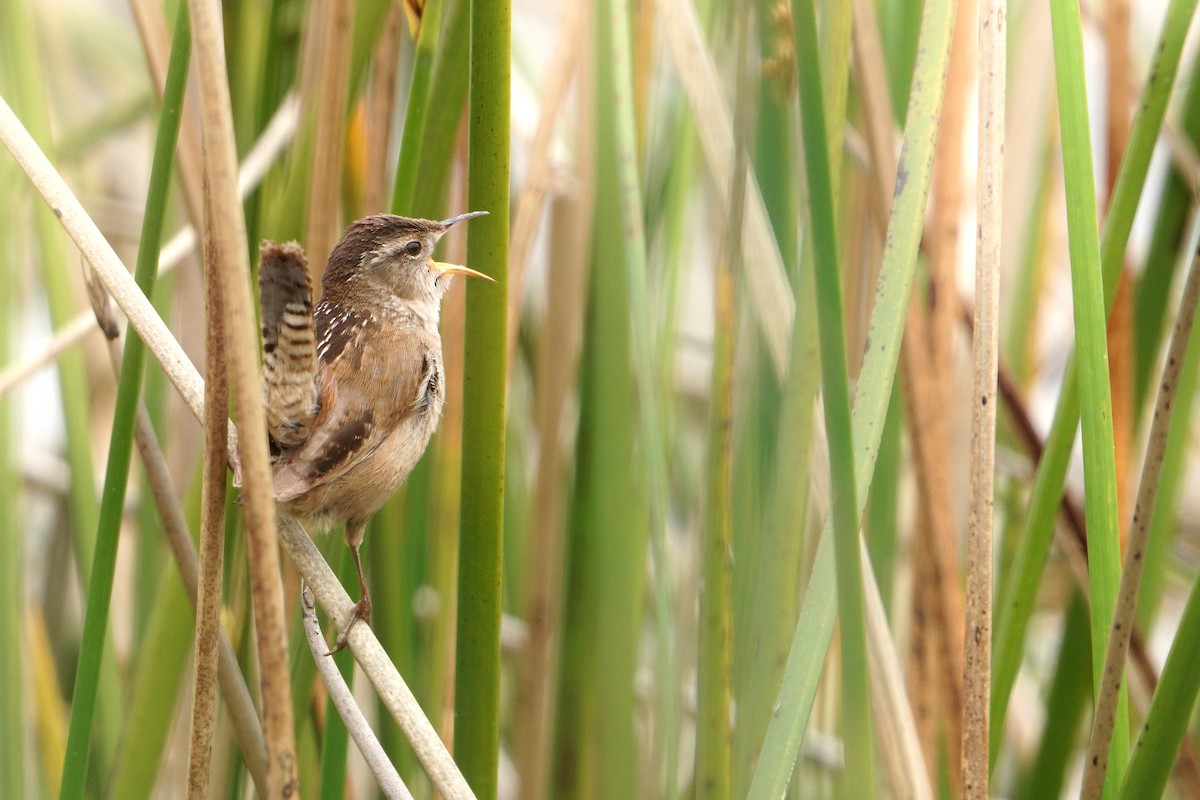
point(985, 357)
point(343, 700)
point(227, 269)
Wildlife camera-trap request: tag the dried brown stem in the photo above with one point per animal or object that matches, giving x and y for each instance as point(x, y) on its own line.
point(380, 105)
point(225, 256)
point(986, 365)
point(1072, 541)
point(212, 543)
point(324, 190)
point(926, 416)
point(1096, 764)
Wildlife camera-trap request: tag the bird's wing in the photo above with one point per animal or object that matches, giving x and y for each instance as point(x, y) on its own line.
point(366, 394)
point(289, 343)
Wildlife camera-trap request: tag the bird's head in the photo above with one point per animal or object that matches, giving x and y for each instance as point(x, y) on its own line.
point(396, 253)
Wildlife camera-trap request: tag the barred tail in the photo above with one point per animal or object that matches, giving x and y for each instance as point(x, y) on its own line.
point(289, 343)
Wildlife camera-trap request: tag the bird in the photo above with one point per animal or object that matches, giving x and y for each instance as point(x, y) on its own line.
point(353, 386)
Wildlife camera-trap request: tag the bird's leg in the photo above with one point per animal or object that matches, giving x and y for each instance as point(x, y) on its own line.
point(361, 609)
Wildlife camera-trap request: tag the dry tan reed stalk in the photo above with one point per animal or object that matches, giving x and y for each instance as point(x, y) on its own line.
point(212, 543)
point(329, 108)
point(932, 397)
point(359, 729)
point(376, 665)
point(927, 420)
point(380, 108)
point(75, 331)
point(922, 661)
point(1096, 763)
point(986, 365)
point(942, 231)
point(225, 256)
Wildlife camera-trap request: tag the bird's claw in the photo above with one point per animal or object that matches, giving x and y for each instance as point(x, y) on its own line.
point(360, 610)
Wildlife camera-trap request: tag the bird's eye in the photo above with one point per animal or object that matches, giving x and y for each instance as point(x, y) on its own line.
point(413, 248)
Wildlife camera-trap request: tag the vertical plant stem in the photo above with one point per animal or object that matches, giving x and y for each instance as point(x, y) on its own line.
point(1104, 547)
point(335, 738)
point(404, 190)
point(616, 85)
point(24, 85)
point(155, 698)
point(225, 257)
point(325, 188)
point(715, 659)
point(120, 452)
point(212, 545)
point(212, 540)
point(928, 364)
point(354, 720)
point(1108, 694)
point(152, 29)
point(874, 391)
point(1170, 711)
point(1120, 336)
point(856, 707)
point(536, 183)
point(895, 725)
point(1017, 604)
point(985, 356)
point(596, 750)
point(440, 133)
point(1164, 520)
point(558, 354)
point(477, 676)
point(766, 283)
point(380, 107)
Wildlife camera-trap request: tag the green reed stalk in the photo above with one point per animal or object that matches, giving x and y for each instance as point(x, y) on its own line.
point(121, 442)
point(477, 670)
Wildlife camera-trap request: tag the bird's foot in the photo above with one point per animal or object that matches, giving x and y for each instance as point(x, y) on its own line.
point(360, 610)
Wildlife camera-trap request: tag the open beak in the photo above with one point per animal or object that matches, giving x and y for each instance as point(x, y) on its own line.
point(442, 268)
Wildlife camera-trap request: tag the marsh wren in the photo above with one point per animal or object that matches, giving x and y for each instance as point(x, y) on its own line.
point(354, 386)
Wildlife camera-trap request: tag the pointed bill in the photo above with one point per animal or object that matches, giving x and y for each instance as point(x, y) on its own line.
point(446, 223)
point(443, 268)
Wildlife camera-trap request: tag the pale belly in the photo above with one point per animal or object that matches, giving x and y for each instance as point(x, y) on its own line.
point(364, 488)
